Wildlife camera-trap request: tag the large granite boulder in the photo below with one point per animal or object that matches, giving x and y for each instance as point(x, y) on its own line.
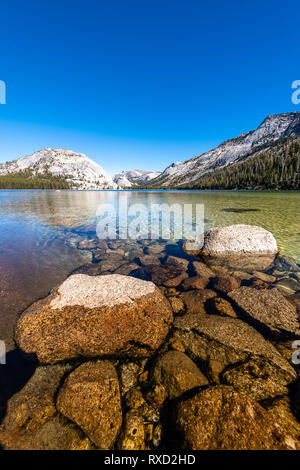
point(221, 343)
point(90, 397)
point(269, 309)
point(219, 418)
point(89, 316)
point(177, 373)
point(234, 240)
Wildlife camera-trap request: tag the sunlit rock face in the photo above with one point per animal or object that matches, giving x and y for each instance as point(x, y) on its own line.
point(240, 246)
point(77, 168)
point(232, 151)
point(134, 178)
point(90, 316)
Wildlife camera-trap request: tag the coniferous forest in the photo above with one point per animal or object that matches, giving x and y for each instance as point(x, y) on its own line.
point(27, 180)
point(275, 168)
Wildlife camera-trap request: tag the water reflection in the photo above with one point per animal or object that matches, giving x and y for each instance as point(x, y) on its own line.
point(67, 210)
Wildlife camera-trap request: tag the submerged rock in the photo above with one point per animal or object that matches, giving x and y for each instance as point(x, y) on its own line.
point(177, 373)
point(226, 284)
point(90, 316)
point(256, 378)
point(32, 411)
point(228, 264)
point(175, 261)
point(90, 397)
point(149, 260)
point(264, 277)
point(195, 282)
point(196, 300)
point(218, 342)
point(201, 269)
point(269, 309)
point(219, 418)
point(59, 434)
point(281, 409)
point(157, 274)
point(287, 286)
point(176, 281)
point(220, 306)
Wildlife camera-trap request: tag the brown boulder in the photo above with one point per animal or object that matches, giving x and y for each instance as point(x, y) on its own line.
point(219, 418)
point(201, 269)
point(149, 260)
point(259, 284)
point(195, 300)
point(175, 261)
point(256, 378)
point(90, 397)
point(195, 282)
point(220, 306)
point(95, 316)
point(226, 283)
point(31, 421)
point(59, 434)
point(177, 373)
point(157, 274)
point(218, 342)
point(176, 280)
point(269, 309)
point(126, 269)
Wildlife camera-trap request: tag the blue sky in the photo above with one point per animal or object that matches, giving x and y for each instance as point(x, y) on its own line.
point(138, 83)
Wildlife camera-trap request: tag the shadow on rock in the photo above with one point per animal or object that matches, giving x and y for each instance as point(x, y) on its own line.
point(13, 377)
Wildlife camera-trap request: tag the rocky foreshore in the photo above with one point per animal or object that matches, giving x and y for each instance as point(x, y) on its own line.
point(156, 347)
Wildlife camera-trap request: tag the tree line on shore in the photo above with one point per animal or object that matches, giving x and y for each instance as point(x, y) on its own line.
point(275, 168)
point(27, 180)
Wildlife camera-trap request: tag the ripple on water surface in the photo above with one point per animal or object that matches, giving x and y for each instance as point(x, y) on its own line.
point(34, 225)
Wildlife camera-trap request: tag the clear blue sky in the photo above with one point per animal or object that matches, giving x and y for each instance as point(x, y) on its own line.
point(142, 83)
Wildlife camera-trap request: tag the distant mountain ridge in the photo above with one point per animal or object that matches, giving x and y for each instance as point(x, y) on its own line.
point(76, 169)
point(231, 152)
point(131, 178)
point(266, 157)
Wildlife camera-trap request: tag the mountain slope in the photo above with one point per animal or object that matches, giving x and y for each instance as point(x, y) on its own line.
point(76, 169)
point(271, 131)
point(275, 168)
point(132, 178)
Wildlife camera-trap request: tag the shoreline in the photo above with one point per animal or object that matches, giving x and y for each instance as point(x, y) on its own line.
point(157, 190)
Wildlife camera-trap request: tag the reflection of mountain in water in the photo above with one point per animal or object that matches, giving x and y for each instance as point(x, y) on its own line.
point(277, 212)
point(66, 209)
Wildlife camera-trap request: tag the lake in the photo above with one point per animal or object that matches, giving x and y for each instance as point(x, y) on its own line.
point(36, 230)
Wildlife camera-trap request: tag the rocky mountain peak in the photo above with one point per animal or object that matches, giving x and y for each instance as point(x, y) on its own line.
point(246, 145)
point(77, 168)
